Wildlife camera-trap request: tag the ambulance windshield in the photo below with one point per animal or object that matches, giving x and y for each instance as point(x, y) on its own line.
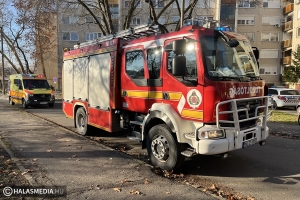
point(31, 84)
point(223, 62)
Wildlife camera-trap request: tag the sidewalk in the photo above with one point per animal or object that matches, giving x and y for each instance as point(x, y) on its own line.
point(52, 156)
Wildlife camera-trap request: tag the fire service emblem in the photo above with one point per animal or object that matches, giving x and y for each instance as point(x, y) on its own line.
point(194, 98)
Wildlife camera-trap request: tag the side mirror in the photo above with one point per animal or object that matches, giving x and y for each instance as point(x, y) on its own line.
point(233, 43)
point(179, 66)
point(256, 52)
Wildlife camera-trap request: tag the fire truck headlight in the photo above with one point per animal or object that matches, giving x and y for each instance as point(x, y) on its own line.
point(211, 134)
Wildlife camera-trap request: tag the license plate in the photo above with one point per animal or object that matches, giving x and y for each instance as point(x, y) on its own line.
point(43, 102)
point(249, 142)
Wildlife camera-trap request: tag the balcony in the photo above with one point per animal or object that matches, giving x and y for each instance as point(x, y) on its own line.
point(287, 26)
point(287, 60)
point(286, 44)
point(288, 9)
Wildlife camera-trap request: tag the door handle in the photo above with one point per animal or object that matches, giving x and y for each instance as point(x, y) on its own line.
point(166, 96)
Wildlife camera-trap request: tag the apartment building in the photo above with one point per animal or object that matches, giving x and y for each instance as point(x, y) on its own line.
point(269, 24)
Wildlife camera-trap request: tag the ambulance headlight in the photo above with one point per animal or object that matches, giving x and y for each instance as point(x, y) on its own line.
point(211, 134)
point(30, 95)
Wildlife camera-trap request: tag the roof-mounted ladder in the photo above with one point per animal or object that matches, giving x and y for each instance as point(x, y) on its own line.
point(128, 34)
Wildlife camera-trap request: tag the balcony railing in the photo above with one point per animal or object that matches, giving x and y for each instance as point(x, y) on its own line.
point(286, 43)
point(287, 60)
point(287, 26)
point(289, 8)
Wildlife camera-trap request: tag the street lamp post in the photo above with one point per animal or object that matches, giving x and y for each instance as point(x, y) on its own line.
point(3, 87)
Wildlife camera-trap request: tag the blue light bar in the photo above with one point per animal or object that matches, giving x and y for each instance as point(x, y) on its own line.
point(223, 29)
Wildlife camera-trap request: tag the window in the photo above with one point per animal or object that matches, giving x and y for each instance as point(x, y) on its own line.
point(270, 37)
point(17, 82)
point(89, 19)
point(298, 32)
point(245, 20)
point(271, 20)
point(158, 3)
point(268, 53)
point(246, 4)
point(298, 14)
point(92, 36)
point(268, 70)
point(154, 62)
point(162, 20)
point(70, 19)
point(271, 3)
point(70, 36)
point(136, 21)
point(250, 36)
point(135, 64)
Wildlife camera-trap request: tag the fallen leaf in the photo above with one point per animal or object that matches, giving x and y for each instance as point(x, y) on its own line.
point(146, 181)
point(34, 159)
point(213, 187)
point(168, 192)
point(79, 147)
point(117, 189)
point(67, 140)
point(8, 162)
point(73, 156)
point(49, 150)
point(1, 156)
point(135, 192)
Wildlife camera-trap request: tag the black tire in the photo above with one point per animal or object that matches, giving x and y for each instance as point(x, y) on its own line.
point(164, 151)
point(10, 101)
point(82, 122)
point(299, 119)
point(51, 105)
point(24, 104)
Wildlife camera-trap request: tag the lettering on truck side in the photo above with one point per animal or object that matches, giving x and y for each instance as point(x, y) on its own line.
point(244, 90)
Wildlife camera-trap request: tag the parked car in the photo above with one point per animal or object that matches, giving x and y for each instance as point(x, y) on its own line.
point(284, 97)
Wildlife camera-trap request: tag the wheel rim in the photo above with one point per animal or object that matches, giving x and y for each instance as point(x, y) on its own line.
point(81, 121)
point(160, 148)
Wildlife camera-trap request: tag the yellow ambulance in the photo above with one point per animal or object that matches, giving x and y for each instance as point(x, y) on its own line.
point(30, 90)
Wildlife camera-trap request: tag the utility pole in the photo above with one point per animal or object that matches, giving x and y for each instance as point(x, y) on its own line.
point(182, 13)
point(3, 87)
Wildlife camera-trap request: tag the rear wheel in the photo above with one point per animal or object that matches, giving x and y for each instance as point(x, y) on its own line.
point(81, 122)
point(11, 102)
point(164, 151)
point(274, 105)
point(24, 103)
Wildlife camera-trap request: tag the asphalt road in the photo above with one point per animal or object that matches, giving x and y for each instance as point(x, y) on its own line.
point(264, 172)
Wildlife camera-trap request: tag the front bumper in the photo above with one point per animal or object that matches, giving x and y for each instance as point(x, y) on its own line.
point(40, 100)
point(233, 140)
point(37, 102)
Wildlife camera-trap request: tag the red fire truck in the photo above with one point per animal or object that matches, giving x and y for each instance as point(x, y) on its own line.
point(193, 91)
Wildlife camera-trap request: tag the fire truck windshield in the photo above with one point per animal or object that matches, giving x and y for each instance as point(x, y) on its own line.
point(224, 62)
point(34, 83)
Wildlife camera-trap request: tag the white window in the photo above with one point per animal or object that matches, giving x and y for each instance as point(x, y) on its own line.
point(70, 19)
point(70, 36)
point(246, 4)
point(250, 36)
point(271, 20)
point(245, 20)
point(268, 53)
point(127, 4)
point(270, 37)
point(206, 4)
point(158, 3)
point(92, 36)
point(136, 21)
point(298, 14)
point(271, 3)
point(268, 70)
point(89, 19)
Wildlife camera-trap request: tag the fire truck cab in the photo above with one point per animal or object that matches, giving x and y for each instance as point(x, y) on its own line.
point(182, 93)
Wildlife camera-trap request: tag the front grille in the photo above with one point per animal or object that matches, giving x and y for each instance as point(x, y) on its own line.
point(42, 97)
point(240, 114)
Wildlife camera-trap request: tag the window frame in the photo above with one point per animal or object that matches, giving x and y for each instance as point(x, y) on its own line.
point(70, 35)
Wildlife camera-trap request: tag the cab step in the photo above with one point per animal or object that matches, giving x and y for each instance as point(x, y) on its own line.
point(189, 152)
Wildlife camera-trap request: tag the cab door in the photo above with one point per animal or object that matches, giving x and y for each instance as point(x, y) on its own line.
point(134, 78)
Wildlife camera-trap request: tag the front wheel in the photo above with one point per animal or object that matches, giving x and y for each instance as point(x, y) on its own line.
point(24, 103)
point(275, 105)
point(164, 151)
point(82, 122)
point(10, 101)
